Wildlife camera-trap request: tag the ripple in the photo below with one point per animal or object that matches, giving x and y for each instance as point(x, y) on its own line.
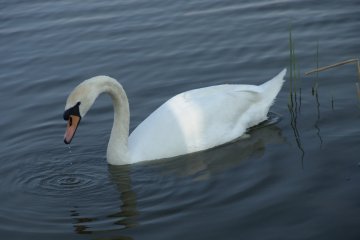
point(56, 172)
point(55, 183)
point(63, 182)
point(61, 192)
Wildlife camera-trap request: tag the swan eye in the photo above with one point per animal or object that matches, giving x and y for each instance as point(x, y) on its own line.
point(72, 111)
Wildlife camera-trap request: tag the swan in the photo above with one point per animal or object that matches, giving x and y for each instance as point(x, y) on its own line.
point(189, 122)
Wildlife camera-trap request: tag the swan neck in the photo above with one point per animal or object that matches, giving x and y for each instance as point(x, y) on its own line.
point(117, 151)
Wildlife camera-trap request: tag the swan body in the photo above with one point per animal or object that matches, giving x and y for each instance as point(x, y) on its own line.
point(191, 121)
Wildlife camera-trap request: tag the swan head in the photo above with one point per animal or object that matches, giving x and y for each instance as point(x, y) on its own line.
point(78, 104)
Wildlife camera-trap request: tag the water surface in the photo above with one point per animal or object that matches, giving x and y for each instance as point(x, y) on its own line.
point(294, 179)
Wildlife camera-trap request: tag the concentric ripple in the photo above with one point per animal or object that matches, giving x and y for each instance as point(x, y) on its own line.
point(58, 191)
point(63, 182)
point(57, 172)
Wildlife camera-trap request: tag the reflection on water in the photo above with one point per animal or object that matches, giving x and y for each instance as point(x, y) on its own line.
point(202, 165)
point(80, 222)
point(120, 175)
point(294, 125)
point(198, 166)
point(125, 218)
point(318, 133)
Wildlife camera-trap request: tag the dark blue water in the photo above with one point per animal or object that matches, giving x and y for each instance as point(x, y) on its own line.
point(295, 179)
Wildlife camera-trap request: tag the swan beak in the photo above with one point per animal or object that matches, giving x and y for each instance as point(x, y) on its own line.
point(71, 127)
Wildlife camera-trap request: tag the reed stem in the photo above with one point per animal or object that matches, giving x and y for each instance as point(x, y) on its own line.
point(335, 65)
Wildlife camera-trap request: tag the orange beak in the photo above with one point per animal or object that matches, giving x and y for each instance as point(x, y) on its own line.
point(71, 127)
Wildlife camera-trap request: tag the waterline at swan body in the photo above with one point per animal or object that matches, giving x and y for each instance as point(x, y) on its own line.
point(191, 121)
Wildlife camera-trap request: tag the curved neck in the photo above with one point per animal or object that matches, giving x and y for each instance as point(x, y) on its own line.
point(117, 150)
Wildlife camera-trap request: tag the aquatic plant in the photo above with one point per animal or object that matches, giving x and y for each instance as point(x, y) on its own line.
point(294, 102)
point(338, 64)
point(316, 82)
point(293, 106)
point(355, 60)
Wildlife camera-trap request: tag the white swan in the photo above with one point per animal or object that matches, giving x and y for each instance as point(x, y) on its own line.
point(191, 121)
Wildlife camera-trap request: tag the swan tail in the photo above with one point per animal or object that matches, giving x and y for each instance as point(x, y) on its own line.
point(272, 87)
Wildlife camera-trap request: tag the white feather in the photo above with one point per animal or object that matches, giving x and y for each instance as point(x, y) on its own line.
point(191, 121)
point(202, 118)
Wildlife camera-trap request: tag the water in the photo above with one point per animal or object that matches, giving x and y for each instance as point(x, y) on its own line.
point(289, 180)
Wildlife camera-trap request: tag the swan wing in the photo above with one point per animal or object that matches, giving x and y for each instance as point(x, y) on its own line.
point(202, 118)
point(195, 120)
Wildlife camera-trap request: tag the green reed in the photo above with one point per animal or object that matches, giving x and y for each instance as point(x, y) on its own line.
point(294, 75)
point(293, 105)
point(316, 82)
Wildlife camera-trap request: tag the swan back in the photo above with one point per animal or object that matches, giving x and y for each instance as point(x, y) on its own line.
point(202, 118)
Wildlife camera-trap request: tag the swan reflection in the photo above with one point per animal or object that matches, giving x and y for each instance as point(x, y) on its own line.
point(123, 219)
point(199, 166)
point(120, 175)
point(203, 165)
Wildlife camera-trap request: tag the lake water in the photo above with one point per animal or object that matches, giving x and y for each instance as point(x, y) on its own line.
point(297, 178)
